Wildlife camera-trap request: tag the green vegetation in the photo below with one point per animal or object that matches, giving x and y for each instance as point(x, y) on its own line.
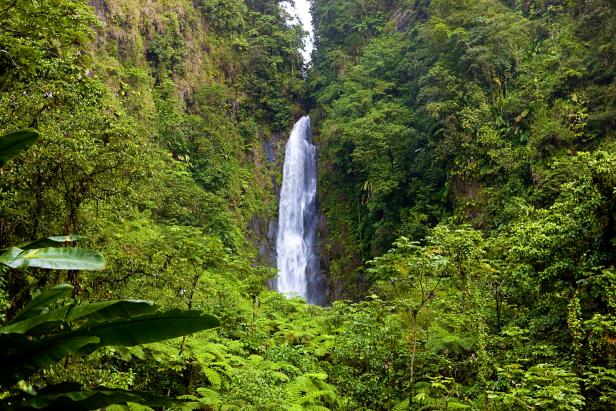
point(467, 177)
point(467, 183)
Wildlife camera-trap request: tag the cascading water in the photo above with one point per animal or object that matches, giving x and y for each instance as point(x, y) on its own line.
point(297, 260)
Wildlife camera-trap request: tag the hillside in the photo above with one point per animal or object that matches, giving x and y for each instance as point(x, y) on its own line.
point(466, 185)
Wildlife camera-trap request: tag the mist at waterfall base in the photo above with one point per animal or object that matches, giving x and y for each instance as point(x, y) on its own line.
point(296, 243)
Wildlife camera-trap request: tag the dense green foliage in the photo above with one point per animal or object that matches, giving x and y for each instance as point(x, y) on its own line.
point(41, 335)
point(483, 132)
point(152, 120)
point(467, 182)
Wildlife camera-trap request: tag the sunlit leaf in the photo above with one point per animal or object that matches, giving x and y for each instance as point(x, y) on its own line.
point(65, 258)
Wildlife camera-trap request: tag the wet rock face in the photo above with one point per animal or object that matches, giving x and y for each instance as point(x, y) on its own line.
point(268, 149)
point(325, 259)
point(273, 149)
point(402, 20)
point(264, 229)
point(264, 233)
point(101, 8)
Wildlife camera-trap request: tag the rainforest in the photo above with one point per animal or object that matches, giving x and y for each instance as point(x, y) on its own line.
point(455, 222)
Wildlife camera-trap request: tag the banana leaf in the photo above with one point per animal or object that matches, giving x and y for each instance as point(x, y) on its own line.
point(14, 143)
point(65, 258)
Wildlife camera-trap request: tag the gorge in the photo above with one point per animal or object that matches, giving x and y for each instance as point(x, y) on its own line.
point(458, 155)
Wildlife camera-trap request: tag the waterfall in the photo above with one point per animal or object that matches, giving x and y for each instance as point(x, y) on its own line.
point(297, 260)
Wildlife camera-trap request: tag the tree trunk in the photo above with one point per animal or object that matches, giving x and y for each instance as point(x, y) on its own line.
point(412, 368)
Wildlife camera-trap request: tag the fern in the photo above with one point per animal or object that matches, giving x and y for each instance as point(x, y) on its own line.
point(279, 376)
point(223, 365)
point(286, 367)
point(213, 377)
point(402, 406)
point(207, 393)
point(255, 359)
point(441, 339)
point(310, 389)
point(455, 405)
point(315, 408)
point(191, 402)
point(208, 398)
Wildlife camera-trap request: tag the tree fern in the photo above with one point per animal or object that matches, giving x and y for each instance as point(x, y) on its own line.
point(315, 408)
point(310, 389)
point(402, 406)
point(213, 377)
point(280, 376)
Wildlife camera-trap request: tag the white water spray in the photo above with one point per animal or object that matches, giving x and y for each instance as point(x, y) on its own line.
point(297, 259)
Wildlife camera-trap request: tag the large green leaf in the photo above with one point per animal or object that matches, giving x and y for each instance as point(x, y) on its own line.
point(42, 301)
point(65, 258)
point(49, 318)
point(12, 144)
point(8, 255)
point(110, 310)
point(23, 360)
point(76, 401)
point(51, 241)
point(82, 400)
point(148, 328)
point(23, 357)
point(50, 352)
point(101, 311)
